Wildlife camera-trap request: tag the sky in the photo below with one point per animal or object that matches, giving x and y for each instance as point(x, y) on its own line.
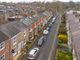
point(35, 0)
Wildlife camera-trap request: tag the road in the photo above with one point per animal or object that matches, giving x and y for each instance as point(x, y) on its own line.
point(47, 51)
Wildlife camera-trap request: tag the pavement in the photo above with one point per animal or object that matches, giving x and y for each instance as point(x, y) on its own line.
point(47, 51)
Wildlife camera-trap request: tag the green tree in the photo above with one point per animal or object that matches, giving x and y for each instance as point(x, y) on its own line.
point(61, 55)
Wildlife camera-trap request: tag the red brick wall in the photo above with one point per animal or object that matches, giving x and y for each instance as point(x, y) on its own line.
point(6, 50)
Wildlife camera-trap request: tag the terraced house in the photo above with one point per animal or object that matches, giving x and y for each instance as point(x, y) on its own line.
point(14, 35)
point(16, 32)
point(4, 46)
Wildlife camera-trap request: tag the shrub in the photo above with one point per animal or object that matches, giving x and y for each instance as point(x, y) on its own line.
point(62, 55)
point(63, 38)
point(62, 29)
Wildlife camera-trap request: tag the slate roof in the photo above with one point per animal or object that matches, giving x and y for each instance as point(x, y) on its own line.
point(19, 25)
point(9, 30)
point(27, 21)
point(3, 37)
point(13, 28)
point(30, 20)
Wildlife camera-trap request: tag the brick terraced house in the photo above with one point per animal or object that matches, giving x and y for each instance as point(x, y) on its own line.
point(14, 35)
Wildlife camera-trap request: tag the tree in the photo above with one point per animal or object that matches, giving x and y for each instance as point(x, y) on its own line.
point(63, 18)
point(72, 4)
point(63, 38)
point(61, 55)
point(62, 30)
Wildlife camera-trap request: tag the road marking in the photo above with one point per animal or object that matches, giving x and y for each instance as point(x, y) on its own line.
point(49, 58)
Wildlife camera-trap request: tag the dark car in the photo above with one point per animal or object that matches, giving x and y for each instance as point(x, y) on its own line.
point(41, 41)
point(48, 28)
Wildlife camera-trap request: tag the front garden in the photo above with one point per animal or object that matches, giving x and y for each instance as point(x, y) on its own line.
point(63, 55)
point(63, 52)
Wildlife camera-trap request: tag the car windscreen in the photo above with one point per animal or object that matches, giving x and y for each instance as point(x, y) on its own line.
point(29, 55)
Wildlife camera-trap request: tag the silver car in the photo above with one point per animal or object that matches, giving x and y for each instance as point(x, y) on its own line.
point(41, 41)
point(33, 53)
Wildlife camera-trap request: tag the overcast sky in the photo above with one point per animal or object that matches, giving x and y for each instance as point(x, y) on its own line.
point(35, 0)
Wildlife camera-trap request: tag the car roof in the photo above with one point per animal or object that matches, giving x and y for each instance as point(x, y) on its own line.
point(33, 51)
point(45, 32)
point(42, 37)
point(47, 28)
point(40, 40)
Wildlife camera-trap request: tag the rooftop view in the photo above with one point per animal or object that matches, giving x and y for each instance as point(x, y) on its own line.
point(39, 30)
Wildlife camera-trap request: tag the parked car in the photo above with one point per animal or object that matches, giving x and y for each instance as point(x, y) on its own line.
point(54, 18)
point(48, 28)
point(50, 24)
point(45, 32)
point(41, 41)
point(33, 54)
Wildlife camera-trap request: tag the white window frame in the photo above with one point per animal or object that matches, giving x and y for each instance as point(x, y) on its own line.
point(24, 42)
point(13, 40)
point(25, 34)
point(15, 47)
point(3, 46)
point(3, 57)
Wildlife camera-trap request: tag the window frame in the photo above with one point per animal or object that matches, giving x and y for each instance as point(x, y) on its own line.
point(15, 50)
point(3, 57)
point(25, 34)
point(13, 40)
point(1, 48)
point(24, 42)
